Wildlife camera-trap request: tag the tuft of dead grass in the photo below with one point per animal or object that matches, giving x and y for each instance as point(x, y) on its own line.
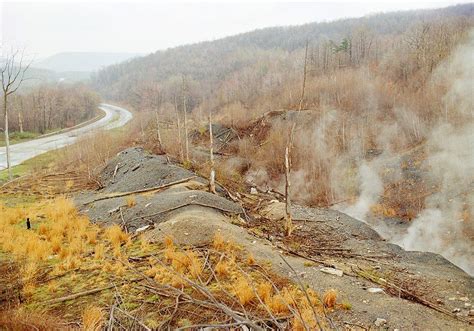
point(329, 298)
point(92, 318)
point(131, 201)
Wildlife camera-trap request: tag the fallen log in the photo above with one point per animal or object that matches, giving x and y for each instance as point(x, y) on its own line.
point(88, 292)
point(123, 194)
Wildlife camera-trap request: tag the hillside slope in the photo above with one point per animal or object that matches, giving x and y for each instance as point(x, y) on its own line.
point(209, 63)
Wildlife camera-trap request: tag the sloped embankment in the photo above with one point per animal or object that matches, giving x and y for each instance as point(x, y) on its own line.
point(382, 282)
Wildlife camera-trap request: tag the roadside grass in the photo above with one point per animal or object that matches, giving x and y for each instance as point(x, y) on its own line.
point(18, 137)
point(68, 154)
point(40, 162)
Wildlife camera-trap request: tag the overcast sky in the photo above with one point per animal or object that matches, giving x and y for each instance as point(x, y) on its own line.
point(143, 27)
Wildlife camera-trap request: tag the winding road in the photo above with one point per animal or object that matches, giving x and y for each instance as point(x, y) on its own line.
point(114, 117)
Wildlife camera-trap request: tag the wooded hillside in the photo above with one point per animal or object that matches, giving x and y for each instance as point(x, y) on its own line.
point(375, 85)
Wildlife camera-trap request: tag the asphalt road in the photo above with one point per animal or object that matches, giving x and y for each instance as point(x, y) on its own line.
point(114, 117)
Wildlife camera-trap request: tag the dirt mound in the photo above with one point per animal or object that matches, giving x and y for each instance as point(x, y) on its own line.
point(134, 169)
point(221, 134)
point(150, 209)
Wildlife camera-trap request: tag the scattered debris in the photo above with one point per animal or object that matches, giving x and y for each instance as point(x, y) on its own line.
point(332, 271)
point(143, 228)
point(375, 290)
point(380, 322)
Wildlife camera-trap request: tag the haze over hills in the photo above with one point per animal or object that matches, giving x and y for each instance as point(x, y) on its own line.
point(82, 61)
point(212, 61)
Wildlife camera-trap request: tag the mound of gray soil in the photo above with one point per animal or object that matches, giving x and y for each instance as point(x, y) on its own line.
point(134, 169)
point(155, 208)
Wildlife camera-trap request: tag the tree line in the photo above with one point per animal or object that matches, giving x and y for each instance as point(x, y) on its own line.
point(51, 107)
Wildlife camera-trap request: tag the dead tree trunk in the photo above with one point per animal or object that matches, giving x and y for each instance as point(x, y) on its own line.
point(7, 135)
point(12, 73)
point(158, 133)
point(186, 139)
point(180, 151)
point(288, 222)
point(212, 175)
point(304, 76)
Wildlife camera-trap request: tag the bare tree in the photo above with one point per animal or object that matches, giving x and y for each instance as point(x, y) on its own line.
point(304, 75)
point(158, 133)
point(179, 129)
point(212, 175)
point(157, 104)
point(13, 74)
point(288, 222)
point(186, 139)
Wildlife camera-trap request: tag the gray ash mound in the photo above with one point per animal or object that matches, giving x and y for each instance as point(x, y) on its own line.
point(134, 169)
point(142, 189)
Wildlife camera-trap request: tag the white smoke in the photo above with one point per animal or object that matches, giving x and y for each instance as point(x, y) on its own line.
point(371, 188)
point(446, 225)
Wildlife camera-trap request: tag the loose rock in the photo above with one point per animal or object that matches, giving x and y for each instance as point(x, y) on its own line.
point(332, 271)
point(380, 321)
point(375, 290)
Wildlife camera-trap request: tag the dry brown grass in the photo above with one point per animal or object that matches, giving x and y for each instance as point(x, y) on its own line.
point(22, 320)
point(116, 236)
point(92, 318)
point(74, 263)
point(131, 201)
point(243, 291)
point(329, 299)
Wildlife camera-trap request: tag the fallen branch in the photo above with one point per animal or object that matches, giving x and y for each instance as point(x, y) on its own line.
point(133, 318)
point(415, 297)
point(212, 326)
point(185, 205)
point(295, 253)
point(123, 194)
point(88, 292)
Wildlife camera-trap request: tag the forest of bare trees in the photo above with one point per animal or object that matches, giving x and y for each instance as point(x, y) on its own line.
point(51, 107)
point(370, 89)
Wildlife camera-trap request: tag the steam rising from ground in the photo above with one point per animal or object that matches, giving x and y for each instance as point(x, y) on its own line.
point(371, 188)
point(446, 225)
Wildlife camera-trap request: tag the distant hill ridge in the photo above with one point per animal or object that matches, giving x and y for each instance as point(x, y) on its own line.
point(82, 61)
point(210, 62)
